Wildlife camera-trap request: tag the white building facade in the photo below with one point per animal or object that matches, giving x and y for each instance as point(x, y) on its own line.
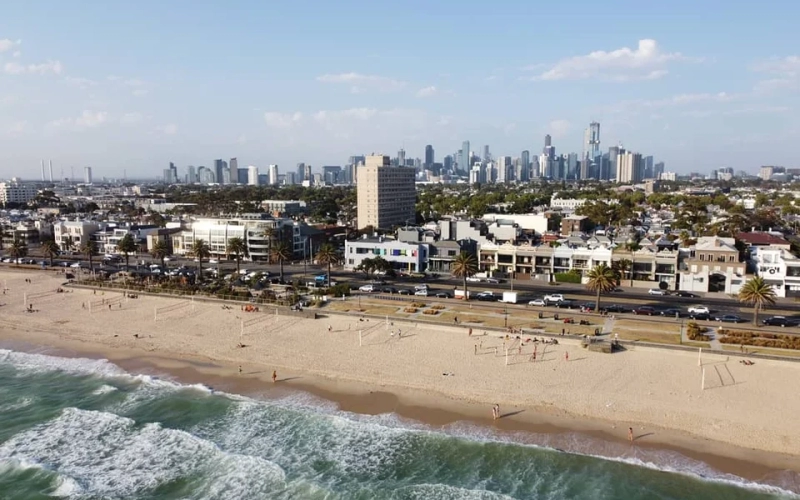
point(412, 257)
point(779, 268)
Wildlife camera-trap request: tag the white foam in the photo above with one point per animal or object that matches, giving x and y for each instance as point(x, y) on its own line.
point(43, 363)
point(104, 389)
point(446, 492)
point(110, 456)
point(17, 405)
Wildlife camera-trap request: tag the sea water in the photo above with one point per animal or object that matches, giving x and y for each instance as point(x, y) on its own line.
point(86, 429)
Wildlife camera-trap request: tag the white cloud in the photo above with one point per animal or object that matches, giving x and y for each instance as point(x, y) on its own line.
point(83, 83)
point(17, 128)
point(140, 92)
point(427, 91)
point(559, 128)
point(133, 82)
point(360, 82)
point(6, 44)
point(785, 74)
point(646, 62)
point(282, 120)
point(168, 129)
point(131, 118)
point(91, 119)
point(15, 68)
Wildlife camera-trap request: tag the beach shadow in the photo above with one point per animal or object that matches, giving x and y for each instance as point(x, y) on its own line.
point(576, 359)
point(643, 436)
point(287, 379)
point(511, 414)
point(408, 336)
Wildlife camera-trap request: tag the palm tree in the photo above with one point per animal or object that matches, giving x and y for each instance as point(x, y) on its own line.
point(200, 251)
point(281, 252)
point(633, 247)
point(464, 266)
point(50, 250)
point(757, 293)
point(623, 267)
point(18, 250)
point(327, 255)
point(160, 251)
point(238, 248)
point(269, 234)
point(89, 248)
point(602, 279)
point(127, 246)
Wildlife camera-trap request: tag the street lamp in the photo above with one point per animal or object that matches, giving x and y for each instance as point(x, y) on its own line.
point(505, 318)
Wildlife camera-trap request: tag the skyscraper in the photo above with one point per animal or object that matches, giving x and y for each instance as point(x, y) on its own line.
point(386, 194)
point(273, 175)
point(647, 168)
point(613, 157)
point(464, 161)
point(301, 172)
point(591, 150)
point(219, 164)
point(191, 176)
point(629, 167)
point(486, 155)
point(401, 157)
point(233, 164)
point(308, 176)
point(448, 163)
point(429, 160)
point(87, 175)
point(548, 141)
point(658, 169)
point(504, 169)
point(252, 175)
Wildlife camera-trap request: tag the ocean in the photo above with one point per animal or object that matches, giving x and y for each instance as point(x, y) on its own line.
point(86, 429)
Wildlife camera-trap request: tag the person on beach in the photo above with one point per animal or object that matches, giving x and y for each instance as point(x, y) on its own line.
point(566, 356)
point(630, 434)
point(470, 332)
point(240, 368)
point(494, 413)
point(274, 376)
point(496, 410)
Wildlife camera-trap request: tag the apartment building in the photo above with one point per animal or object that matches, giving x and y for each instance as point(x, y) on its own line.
point(386, 194)
point(70, 235)
point(779, 268)
point(713, 265)
point(16, 192)
point(404, 256)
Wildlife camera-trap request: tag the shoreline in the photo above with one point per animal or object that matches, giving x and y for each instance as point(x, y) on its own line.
point(565, 398)
point(541, 428)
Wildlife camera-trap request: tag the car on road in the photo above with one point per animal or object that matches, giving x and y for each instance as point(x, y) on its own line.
point(422, 293)
point(780, 321)
point(614, 308)
point(565, 304)
point(672, 312)
point(689, 295)
point(537, 302)
point(367, 288)
point(444, 295)
point(699, 310)
point(213, 261)
point(76, 265)
point(554, 297)
point(729, 318)
point(485, 296)
point(493, 281)
point(657, 291)
point(405, 291)
point(645, 311)
point(701, 317)
point(389, 290)
point(473, 279)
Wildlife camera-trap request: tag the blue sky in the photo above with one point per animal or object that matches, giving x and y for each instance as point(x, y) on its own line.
point(134, 85)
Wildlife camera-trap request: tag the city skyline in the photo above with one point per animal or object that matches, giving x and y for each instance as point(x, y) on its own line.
point(692, 93)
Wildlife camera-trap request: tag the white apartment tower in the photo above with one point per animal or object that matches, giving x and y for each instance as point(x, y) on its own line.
point(273, 175)
point(386, 194)
point(87, 175)
point(629, 167)
point(252, 175)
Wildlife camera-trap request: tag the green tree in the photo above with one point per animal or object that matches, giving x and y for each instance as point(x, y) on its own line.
point(327, 255)
point(160, 251)
point(200, 251)
point(238, 248)
point(602, 279)
point(18, 250)
point(623, 267)
point(127, 246)
point(367, 266)
point(50, 250)
point(281, 252)
point(464, 266)
point(89, 249)
point(757, 293)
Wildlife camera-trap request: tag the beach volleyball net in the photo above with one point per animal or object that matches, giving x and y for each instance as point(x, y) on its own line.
point(104, 304)
point(29, 298)
point(169, 310)
point(259, 319)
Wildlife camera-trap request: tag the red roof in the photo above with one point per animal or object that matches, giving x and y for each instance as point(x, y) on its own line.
point(761, 239)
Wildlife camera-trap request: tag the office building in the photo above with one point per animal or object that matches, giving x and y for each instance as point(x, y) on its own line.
point(301, 172)
point(386, 194)
point(504, 169)
point(448, 163)
point(591, 150)
point(429, 159)
point(191, 175)
point(219, 165)
point(629, 167)
point(206, 175)
point(331, 174)
point(87, 175)
point(464, 161)
point(486, 155)
point(242, 176)
point(273, 175)
point(658, 169)
point(548, 142)
point(252, 175)
point(767, 172)
point(610, 172)
point(308, 176)
point(234, 166)
point(648, 168)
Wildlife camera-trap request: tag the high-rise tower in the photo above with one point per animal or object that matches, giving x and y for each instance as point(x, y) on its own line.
point(464, 161)
point(591, 149)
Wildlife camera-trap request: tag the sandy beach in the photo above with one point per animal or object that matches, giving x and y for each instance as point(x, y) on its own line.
point(436, 374)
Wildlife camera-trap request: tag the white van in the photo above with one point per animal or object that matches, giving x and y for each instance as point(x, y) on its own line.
point(420, 287)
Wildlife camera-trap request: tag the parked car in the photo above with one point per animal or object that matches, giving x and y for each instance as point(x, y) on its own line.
point(367, 288)
point(566, 304)
point(645, 311)
point(701, 316)
point(388, 289)
point(473, 279)
point(537, 302)
point(444, 295)
point(493, 281)
point(657, 291)
point(614, 308)
point(686, 294)
point(699, 310)
point(422, 292)
point(729, 318)
point(405, 291)
point(485, 296)
point(780, 321)
point(213, 261)
point(554, 297)
point(672, 312)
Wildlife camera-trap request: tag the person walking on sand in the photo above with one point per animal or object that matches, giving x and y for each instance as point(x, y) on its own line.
point(566, 356)
point(240, 368)
point(630, 434)
point(274, 376)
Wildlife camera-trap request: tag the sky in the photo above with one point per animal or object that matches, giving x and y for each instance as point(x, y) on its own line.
point(134, 85)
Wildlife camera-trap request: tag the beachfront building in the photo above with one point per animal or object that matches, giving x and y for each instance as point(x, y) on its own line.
point(779, 268)
point(70, 235)
point(712, 265)
point(386, 194)
point(109, 236)
point(404, 256)
point(16, 192)
point(539, 262)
